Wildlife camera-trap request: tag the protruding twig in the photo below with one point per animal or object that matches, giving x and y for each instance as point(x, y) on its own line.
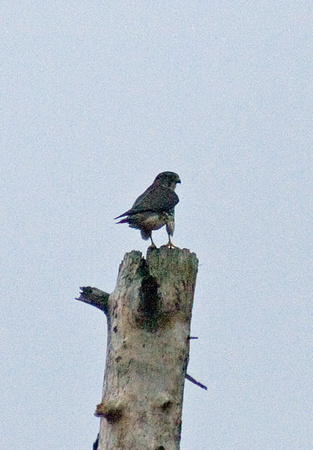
point(95, 297)
point(188, 377)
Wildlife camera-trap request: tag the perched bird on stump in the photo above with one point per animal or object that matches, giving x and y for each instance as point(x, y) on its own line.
point(155, 208)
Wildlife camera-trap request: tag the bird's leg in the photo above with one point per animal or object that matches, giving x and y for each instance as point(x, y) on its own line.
point(152, 243)
point(170, 244)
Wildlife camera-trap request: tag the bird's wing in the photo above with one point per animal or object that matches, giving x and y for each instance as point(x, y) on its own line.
point(155, 198)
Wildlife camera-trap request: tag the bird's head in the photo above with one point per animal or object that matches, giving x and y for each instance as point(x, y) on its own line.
point(169, 179)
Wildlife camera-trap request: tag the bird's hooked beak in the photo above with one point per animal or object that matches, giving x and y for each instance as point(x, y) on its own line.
point(173, 185)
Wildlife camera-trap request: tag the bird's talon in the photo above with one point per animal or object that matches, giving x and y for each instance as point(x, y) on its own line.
point(169, 245)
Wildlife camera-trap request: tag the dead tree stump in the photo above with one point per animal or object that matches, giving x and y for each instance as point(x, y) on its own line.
point(149, 316)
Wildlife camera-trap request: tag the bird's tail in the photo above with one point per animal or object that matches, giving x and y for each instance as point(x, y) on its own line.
point(122, 215)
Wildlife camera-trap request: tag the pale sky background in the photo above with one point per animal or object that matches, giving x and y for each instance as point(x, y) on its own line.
point(97, 98)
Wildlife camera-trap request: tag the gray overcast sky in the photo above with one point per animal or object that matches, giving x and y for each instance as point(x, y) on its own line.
point(97, 98)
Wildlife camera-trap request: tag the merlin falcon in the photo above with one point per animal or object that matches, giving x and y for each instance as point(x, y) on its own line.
point(155, 208)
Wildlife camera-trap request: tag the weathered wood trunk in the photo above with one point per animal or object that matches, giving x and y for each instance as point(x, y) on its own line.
point(149, 316)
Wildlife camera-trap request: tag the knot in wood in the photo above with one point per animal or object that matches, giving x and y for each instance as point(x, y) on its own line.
point(110, 412)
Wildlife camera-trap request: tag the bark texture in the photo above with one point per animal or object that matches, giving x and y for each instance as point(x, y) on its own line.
point(149, 316)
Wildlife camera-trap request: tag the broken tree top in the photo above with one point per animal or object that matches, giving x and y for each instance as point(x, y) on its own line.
point(164, 262)
point(149, 315)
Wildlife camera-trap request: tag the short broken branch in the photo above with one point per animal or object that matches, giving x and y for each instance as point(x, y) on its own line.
point(95, 297)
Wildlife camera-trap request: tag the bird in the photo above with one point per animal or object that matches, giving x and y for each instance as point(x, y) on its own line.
point(155, 208)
